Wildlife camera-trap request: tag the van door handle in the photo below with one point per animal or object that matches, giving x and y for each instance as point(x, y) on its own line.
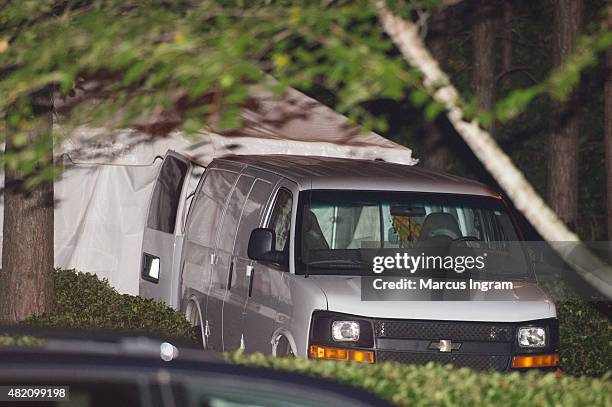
point(249, 272)
point(231, 273)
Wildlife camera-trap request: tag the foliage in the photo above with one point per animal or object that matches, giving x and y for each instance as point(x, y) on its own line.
point(84, 301)
point(12, 340)
point(525, 138)
point(585, 334)
point(198, 59)
point(586, 339)
point(435, 385)
point(177, 53)
point(159, 65)
point(562, 80)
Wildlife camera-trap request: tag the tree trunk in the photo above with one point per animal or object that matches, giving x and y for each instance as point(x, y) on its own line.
point(506, 60)
point(563, 145)
point(484, 31)
point(26, 278)
point(608, 127)
point(435, 150)
point(405, 35)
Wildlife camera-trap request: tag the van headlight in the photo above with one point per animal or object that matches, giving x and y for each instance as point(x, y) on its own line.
point(345, 331)
point(335, 329)
point(532, 337)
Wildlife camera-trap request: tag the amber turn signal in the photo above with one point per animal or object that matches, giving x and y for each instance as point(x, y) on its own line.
point(535, 361)
point(326, 353)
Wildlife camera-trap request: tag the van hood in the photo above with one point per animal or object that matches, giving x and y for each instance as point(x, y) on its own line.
point(524, 303)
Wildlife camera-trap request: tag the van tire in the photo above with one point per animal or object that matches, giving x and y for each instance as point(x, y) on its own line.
point(283, 349)
point(192, 314)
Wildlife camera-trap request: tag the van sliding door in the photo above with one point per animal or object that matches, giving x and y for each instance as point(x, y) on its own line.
point(223, 269)
point(163, 232)
point(200, 263)
point(238, 279)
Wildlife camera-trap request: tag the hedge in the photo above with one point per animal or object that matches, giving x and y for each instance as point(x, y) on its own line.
point(84, 301)
point(435, 385)
point(585, 333)
point(586, 339)
point(20, 340)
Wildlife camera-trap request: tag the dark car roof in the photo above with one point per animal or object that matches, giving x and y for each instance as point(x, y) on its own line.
point(125, 357)
point(315, 172)
point(25, 364)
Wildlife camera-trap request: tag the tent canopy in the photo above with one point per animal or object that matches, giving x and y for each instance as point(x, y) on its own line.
point(103, 195)
point(291, 124)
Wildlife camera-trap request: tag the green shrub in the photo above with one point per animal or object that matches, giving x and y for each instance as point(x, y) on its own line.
point(585, 333)
point(435, 385)
point(585, 339)
point(19, 340)
point(84, 301)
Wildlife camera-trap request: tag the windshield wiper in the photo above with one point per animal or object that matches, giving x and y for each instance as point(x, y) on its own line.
point(335, 264)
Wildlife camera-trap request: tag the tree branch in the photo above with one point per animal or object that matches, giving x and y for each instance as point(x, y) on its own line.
point(522, 69)
point(405, 36)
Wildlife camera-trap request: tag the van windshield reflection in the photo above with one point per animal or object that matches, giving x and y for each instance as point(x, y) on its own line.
point(338, 230)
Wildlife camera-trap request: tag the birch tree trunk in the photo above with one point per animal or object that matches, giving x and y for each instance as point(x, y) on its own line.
point(405, 36)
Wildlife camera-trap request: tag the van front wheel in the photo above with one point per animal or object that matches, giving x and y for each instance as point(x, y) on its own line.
point(283, 348)
point(192, 315)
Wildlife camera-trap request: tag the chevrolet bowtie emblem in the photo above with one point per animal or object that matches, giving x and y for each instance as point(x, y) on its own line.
point(445, 345)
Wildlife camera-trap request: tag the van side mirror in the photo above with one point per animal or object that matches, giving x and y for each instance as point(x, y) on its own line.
point(261, 246)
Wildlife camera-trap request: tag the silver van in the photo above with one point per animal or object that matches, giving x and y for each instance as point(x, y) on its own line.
point(264, 255)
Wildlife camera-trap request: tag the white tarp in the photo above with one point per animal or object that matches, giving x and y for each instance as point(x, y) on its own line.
point(103, 195)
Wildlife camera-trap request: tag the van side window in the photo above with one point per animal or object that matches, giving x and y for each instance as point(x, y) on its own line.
point(207, 209)
point(192, 185)
point(235, 204)
point(280, 219)
point(166, 195)
point(251, 215)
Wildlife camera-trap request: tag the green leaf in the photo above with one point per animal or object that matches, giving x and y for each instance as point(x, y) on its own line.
point(433, 109)
point(135, 72)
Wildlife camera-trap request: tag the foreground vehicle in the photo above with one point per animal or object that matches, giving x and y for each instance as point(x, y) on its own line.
point(140, 371)
point(272, 260)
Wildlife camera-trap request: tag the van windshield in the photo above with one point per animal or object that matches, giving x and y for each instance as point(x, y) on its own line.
point(336, 227)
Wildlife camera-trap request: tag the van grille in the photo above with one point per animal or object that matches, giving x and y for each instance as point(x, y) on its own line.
point(434, 330)
point(485, 346)
point(477, 362)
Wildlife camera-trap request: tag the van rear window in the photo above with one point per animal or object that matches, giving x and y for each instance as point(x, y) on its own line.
point(166, 195)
